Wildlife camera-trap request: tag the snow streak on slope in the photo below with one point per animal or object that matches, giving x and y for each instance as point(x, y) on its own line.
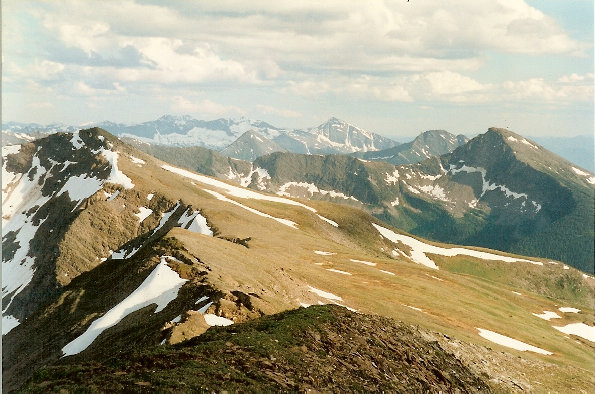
point(486, 185)
point(234, 191)
point(510, 342)
point(419, 250)
point(239, 192)
point(221, 197)
point(160, 287)
point(311, 189)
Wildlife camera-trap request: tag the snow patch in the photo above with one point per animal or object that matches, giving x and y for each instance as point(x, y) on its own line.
point(322, 253)
point(568, 309)
point(177, 319)
point(214, 320)
point(150, 196)
point(419, 250)
point(510, 342)
point(363, 262)
point(194, 221)
point(136, 160)
point(486, 185)
point(338, 271)
point(311, 189)
point(76, 140)
point(221, 197)
point(324, 294)
point(579, 329)
point(388, 272)
point(160, 288)
point(165, 217)
point(111, 197)
point(435, 191)
point(580, 172)
point(205, 307)
point(144, 213)
point(547, 315)
point(392, 178)
point(8, 323)
point(329, 221)
point(116, 176)
point(234, 191)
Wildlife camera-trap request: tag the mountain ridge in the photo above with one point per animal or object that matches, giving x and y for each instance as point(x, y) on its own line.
point(446, 201)
point(230, 254)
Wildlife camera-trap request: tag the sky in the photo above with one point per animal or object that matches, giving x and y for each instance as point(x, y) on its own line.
point(394, 67)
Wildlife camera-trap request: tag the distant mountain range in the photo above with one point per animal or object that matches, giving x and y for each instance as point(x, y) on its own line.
point(498, 190)
point(333, 136)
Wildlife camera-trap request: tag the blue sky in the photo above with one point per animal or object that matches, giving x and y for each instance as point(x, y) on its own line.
point(393, 67)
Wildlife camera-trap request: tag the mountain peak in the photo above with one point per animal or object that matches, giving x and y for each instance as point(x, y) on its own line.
point(335, 120)
point(174, 118)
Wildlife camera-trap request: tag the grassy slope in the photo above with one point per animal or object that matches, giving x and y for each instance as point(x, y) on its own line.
point(280, 264)
point(320, 348)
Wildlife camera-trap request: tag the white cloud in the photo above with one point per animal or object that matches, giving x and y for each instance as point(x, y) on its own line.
point(86, 90)
point(430, 51)
point(541, 90)
point(286, 113)
point(204, 107)
point(574, 77)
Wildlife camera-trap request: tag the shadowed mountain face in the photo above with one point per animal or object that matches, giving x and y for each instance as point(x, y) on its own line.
point(428, 144)
point(251, 145)
point(108, 251)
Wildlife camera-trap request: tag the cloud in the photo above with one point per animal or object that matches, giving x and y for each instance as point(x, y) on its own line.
point(286, 113)
point(204, 107)
point(84, 89)
point(430, 51)
point(541, 90)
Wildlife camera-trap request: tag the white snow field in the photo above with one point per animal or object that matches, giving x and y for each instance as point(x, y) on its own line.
point(143, 213)
point(419, 250)
point(324, 294)
point(547, 315)
point(194, 221)
point(160, 287)
point(8, 323)
point(510, 342)
point(214, 320)
point(579, 329)
point(568, 309)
